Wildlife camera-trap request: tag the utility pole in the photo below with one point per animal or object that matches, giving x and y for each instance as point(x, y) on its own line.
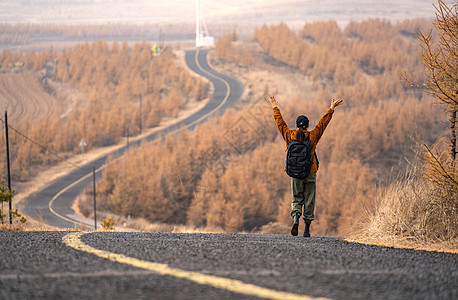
point(8, 165)
point(140, 98)
point(95, 207)
point(127, 140)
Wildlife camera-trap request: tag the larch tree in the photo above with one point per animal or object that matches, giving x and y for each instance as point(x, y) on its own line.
point(441, 61)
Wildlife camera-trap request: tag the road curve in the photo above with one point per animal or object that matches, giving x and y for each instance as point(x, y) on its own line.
point(120, 265)
point(52, 204)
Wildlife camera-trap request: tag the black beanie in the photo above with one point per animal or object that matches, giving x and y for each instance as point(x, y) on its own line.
point(302, 121)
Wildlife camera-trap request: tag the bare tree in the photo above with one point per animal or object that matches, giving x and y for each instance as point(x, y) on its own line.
point(441, 61)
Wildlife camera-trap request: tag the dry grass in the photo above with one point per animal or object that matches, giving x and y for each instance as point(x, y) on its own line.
point(14, 227)
point(420, 209)
point(412, 212)
point(274, 228)
point(123, 223)
point(84, 206)
point(32, 226)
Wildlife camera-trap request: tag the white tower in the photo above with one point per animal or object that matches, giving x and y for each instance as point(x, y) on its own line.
point(203, 39)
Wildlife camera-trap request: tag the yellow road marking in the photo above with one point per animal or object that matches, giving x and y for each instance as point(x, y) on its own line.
point(226, 97)
point(66, 189)
point(73, 240)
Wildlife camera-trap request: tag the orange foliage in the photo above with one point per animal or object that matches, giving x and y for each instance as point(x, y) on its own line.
point(225, 50)
point(115, 79)
point(229, 172)
point(323, 51)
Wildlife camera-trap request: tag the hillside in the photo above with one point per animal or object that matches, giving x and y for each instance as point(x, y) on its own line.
point(23, 96)
point(98, 92)
point(227, 175)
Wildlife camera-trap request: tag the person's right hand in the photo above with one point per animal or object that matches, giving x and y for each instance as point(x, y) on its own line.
point(336, 102)
point(273, 102)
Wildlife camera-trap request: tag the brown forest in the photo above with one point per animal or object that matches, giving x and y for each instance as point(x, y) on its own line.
point(115, 79)
point(228, 173)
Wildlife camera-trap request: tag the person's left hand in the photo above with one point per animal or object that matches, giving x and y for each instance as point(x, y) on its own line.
point(273, 102)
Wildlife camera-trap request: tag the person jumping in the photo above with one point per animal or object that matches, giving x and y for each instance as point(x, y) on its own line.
point(302, 162)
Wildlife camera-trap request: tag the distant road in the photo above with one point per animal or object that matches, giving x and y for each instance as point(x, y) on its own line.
point(52, 204)
point(120, 265)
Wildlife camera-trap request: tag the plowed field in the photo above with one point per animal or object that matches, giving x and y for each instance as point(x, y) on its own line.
point(23, 96)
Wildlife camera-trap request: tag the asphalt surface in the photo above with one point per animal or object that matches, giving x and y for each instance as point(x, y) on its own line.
point(227, 91)
point(37, 265)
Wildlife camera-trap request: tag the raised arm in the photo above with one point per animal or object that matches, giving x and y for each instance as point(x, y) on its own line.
point(285, 132)
point(318, 131)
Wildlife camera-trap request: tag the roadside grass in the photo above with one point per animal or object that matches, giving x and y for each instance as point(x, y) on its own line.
point(123, 223)
point(14, 227)
point(412, 212)
point(35, 225)
point(32, 227)
point(274, 228)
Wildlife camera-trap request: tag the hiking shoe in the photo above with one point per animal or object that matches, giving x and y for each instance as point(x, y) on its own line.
point(295, 228)
point(306, 230)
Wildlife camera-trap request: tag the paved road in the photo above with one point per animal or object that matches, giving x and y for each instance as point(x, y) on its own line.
point(52, 204)
point(39, 265)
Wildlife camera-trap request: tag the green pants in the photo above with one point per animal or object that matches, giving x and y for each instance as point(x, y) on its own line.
point(303, 191)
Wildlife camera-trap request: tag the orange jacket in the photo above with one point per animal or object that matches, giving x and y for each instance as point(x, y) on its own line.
point(314, 135)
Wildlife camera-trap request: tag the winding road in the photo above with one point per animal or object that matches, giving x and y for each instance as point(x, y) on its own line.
point(52, 204)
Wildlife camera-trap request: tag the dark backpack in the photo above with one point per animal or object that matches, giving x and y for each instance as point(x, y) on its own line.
point(299, 159)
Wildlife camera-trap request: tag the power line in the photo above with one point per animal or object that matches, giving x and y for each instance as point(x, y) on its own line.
point(39, 145)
